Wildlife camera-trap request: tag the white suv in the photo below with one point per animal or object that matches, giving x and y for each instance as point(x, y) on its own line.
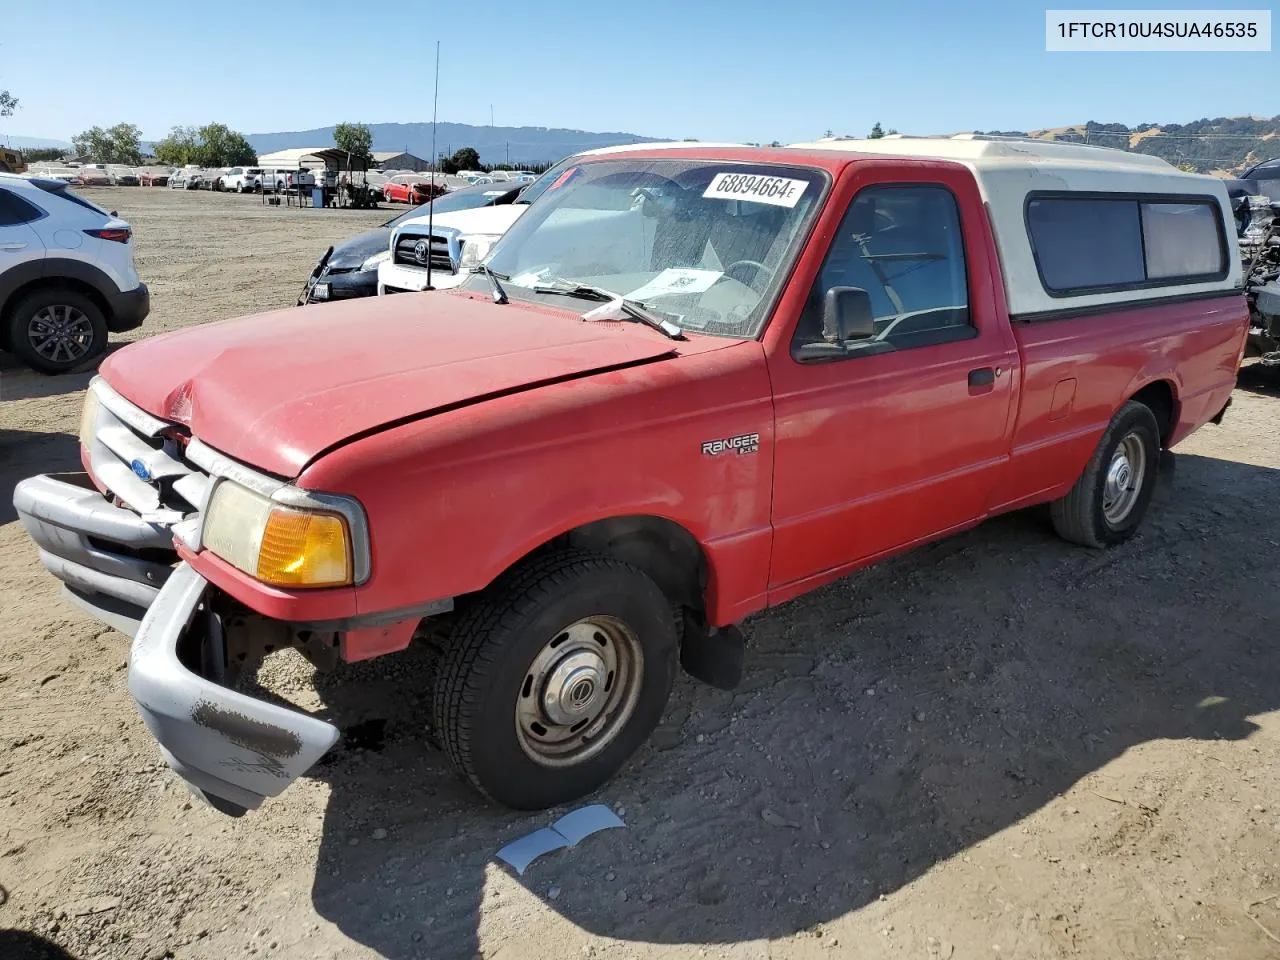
point(242, 179)
point(67, 275)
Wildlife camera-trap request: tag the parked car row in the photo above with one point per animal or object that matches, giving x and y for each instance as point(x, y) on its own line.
point(350, 269)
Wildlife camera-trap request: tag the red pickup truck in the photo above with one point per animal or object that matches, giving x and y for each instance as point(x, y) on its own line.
point(582, 468)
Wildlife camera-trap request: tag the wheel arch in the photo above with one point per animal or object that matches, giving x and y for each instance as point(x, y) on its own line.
point(1161, 398)
point(666, 550)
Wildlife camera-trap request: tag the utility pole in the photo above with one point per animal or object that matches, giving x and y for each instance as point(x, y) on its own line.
point(508, 153)
point(491, 114)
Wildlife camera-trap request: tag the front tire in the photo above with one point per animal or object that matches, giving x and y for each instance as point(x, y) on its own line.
point(1108, 502)
point(554, 678)
point(55, 331)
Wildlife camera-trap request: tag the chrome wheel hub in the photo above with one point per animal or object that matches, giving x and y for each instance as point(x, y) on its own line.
point(574, 687)
point(1123, 482)
point(579, 692)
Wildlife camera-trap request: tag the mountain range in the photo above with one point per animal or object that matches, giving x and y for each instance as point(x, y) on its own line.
point(1222, 146)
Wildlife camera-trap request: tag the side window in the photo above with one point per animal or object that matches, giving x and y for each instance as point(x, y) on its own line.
point(903, 245)
point(1086, 244)
point(1182, 240)
point(14, 210)
point(1102, 244)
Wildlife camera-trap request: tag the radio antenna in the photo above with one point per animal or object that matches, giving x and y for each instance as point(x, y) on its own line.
point(435, 163)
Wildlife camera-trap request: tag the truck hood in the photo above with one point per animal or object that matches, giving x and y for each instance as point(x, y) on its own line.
point(277, 389)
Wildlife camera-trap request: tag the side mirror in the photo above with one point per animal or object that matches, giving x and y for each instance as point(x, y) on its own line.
point(847, 315)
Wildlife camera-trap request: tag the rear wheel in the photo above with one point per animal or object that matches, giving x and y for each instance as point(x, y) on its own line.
point(554, 678)
point(1108, 502)
point(55, 331)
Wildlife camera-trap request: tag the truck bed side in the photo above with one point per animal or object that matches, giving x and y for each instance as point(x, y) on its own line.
point(1077, 371)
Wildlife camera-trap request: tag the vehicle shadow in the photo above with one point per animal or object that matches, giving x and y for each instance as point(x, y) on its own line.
point(22, 945)
point(27, 452)
point(886, 723)
point(19, 382)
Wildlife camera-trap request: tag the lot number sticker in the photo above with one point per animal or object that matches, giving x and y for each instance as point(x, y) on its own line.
point(779, 191)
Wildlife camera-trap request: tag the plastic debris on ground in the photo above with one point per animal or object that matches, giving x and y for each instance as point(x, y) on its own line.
point(568, 831)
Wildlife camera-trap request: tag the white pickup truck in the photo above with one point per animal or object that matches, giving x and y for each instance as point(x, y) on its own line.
point(453, 243)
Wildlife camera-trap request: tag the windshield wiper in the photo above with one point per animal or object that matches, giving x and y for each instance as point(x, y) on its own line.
point(632, 308)
point(499, 294)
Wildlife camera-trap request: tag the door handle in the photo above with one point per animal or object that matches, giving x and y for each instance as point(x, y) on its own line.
point(13, 246)
point(982, 377)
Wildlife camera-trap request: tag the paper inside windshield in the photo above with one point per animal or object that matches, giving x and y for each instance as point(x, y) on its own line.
point(676, 280)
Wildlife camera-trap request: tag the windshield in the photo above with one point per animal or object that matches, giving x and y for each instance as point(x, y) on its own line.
point(538, 187)
point(706, 243)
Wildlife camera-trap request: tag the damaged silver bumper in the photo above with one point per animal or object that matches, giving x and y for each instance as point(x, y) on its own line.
point(230, 748)
point(111, 561)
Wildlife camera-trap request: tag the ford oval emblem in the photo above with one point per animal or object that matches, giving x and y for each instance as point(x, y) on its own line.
point(141, 469)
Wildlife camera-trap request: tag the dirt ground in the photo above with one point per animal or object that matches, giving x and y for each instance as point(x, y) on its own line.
point(999, 746)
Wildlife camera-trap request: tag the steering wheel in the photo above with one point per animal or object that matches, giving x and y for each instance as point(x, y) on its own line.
point(760, 270)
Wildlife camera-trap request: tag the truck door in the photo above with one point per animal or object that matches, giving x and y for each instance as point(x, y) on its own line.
point(906, 435)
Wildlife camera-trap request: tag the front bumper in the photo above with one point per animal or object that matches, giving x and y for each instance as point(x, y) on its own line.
point(350, 285)
point(111, 561)
point(396, 277)
point(230, 748)
point(129, 309)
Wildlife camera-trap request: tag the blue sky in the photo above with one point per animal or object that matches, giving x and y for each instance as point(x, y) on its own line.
point(711, 69)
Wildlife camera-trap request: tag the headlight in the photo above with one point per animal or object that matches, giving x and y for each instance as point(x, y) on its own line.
point(279, 545)
point(89, 416)
point(475, 247)
point(372, 262)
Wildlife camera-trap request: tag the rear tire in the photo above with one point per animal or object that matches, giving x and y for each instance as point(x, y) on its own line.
point(554, 678)
point(1108, 502)
point(56, 331)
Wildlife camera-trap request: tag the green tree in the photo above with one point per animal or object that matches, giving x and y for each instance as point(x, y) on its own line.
point(220, 146)
point(356, 141)
point(877, 132)
point(8, 103)
point(465, 158)
point(42, 153)
point(119, 144)
point(213, 145)
point(178, 148)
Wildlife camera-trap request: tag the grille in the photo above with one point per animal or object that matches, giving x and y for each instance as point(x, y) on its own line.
point(406, 252)
point(123, 435)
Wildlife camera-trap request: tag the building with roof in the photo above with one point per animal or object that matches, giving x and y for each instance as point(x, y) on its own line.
point(399, 160)
point(317, 158)
point(306, 158)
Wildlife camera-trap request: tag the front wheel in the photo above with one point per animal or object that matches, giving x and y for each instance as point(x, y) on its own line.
point(554, 678)
point(1108, 502)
